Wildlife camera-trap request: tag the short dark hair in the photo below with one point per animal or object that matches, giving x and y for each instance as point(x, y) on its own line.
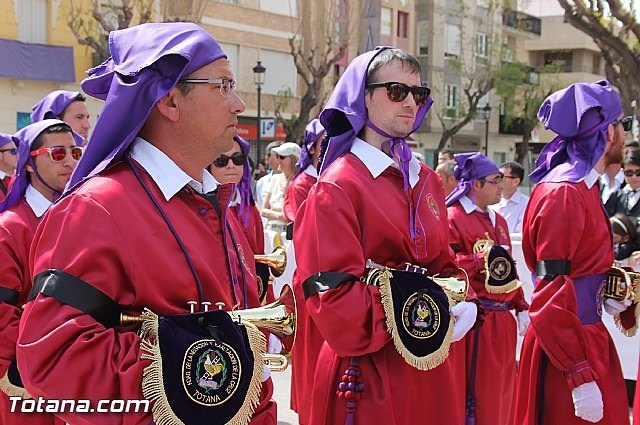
point(56, 128)
point(517, 170)
point(388, 56)
point(623, 225)
point(632, 158)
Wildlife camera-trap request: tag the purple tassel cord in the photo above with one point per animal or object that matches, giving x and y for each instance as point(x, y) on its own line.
point(351, 389)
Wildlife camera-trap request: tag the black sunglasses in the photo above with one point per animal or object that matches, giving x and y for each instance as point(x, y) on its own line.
point(14, 151)
point(397, 92)
point(627, 122)
point(630, 173)
point(238, 158)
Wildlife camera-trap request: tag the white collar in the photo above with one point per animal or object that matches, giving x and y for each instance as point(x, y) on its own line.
point(377, 161)
point(517, 197)
point(235, 199)
point(37, 201)
point(165, 173)
point(311, 170)
point(469, 207)
point(591, 178)
point(3, 174)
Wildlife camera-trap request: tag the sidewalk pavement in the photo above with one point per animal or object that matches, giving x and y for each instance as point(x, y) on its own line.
point(282, 395)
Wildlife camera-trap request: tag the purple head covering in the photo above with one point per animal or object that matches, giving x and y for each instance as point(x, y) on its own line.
point(244, 187)
point(5, 139)
point(345, 114)
point(469, 167)
point(24, 139)
point(53, 104)
point(580, 115)
point(146, 63)
point(312, 133)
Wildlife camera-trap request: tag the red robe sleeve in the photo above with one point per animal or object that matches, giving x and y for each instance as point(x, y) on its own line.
point(11, 255)
point(64, 353)
point(352, 304)
point(554, 309)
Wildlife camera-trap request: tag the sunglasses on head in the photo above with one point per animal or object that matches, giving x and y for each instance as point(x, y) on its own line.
point(627, 122)
point(13, 151)
point(630, 173)
point(397, 92)
point(238, 158)
point(59, 153)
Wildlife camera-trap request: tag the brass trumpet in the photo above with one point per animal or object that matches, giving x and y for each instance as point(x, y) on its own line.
point(278, 318)
point(276, 261)
point(622, 285)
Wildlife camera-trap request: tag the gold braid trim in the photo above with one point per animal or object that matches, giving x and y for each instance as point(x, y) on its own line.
point(258, 344)
point(428, 362)
point(632, 330)
point(13, 390)
point(153, 382)
point(503, 289)
point(152, 378)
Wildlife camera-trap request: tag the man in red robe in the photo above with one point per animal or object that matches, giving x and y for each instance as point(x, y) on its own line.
point(374, 201)
point(65, 105)
point(308, 339)
point(569, 369)
point(8, 163)
point(49, 152)
point(490, 349)
point(143, 225)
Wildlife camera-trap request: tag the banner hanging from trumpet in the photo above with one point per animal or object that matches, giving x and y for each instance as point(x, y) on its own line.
point(205, 368)
point(417, 314)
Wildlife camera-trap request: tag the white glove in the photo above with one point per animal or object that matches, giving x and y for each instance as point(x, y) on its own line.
point(587, 401)
point(523, 321)
point(274, 344)
point(614, 307)
point(266, 373)
point(465, 314)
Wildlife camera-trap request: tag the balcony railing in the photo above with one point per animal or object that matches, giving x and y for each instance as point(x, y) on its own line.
point(521, 21)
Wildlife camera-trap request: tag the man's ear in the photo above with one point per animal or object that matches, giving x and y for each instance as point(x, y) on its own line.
point(29, 168)
point(611, 131)
point(169, 105)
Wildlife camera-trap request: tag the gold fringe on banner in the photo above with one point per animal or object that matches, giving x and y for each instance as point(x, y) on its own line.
point(153, 382)
point(13, 390)
point(634, 329)
point(427, 362)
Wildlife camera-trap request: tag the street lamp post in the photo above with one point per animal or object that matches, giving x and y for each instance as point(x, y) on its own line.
point(487, 116)
point(258, 79)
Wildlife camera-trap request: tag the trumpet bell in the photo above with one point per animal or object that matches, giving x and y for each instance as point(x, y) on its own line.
point(456, 288)
point(276, 261)
point(278, 318)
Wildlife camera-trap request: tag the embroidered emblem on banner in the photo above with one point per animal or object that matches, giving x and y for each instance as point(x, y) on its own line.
point(420, 316)
point(433, 206)
point(210, 372)
point(499, 268)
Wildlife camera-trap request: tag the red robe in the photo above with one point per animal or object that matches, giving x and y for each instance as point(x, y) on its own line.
point(566, 221)
point(109, 234)
point(17, 226)
point(6, 181)
point(350, 217)
point(254, 231)
point(296, 194)
point(495, 376)
point(308, 338)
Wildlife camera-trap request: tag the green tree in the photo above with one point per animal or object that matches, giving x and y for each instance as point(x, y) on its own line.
point(614, 28)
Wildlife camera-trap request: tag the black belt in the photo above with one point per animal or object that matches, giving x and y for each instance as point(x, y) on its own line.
point(320, 282)
point(549, 269)
point(77, 293)
point(9, 296)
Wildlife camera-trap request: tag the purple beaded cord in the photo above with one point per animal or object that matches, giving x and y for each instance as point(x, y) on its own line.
point(351, 389)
